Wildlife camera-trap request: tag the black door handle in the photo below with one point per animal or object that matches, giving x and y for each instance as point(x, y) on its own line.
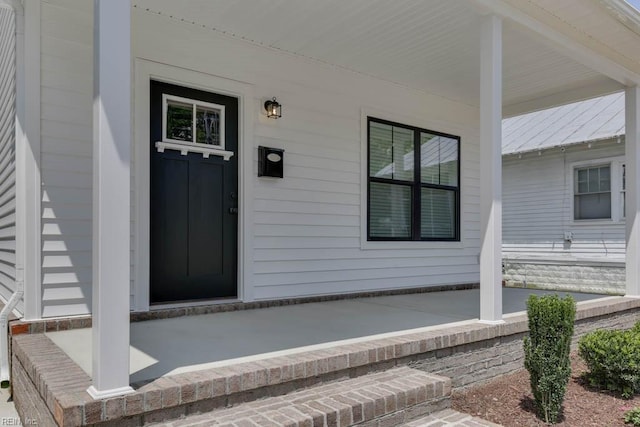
point(233, 210)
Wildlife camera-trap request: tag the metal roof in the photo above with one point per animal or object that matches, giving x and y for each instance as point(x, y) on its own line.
point(593, 119)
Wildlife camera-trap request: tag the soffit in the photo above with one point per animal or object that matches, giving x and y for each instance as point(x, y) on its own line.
point(428, 45)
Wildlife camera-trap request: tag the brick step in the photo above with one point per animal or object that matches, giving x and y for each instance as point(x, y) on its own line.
point(387, 398)
point(450, 418)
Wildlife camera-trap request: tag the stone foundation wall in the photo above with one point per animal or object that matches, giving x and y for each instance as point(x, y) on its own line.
point(481, 361)
point(607, 278)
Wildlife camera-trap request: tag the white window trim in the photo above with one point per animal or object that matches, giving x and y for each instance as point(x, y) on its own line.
point(617, 217)
point(443, 126)
point(621, 190)
point(191, 146)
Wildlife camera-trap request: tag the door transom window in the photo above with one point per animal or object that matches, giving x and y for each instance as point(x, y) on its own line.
point(193, 122)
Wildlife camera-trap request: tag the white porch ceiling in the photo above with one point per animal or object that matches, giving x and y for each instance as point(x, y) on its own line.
point(430, 45)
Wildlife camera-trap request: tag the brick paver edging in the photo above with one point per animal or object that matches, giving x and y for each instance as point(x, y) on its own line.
point(449, 418)
point(62, 385)
point(394, 396)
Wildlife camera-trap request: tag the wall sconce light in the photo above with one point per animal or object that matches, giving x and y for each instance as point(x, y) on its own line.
point(274, 109)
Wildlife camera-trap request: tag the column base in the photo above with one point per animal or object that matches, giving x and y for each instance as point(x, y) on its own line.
point(491, 322)
point(105, 394)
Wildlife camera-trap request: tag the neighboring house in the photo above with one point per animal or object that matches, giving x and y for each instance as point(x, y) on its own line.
point(140, 184)
point(564, 197)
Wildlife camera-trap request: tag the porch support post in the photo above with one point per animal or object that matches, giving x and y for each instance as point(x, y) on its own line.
point(111, 192)
point(491, 170)
point(632, 214)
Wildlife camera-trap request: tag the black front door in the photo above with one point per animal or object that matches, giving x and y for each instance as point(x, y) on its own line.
point(194, 199)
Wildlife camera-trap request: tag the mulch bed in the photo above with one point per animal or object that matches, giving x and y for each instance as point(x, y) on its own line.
point(508, 401)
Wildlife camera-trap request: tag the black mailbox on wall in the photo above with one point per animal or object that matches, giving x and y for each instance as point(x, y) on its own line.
point(270, 162)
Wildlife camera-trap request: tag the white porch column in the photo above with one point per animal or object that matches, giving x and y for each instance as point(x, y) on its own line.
point(491, 170)
point(632, 214)
point(111, 192)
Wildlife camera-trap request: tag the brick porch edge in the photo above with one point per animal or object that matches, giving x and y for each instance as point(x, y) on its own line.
point(468, 353)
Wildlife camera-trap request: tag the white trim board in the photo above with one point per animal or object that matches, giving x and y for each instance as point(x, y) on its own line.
point(144, 71)
point(28, 160)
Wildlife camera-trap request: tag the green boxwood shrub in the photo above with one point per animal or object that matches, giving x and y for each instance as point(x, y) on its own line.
point(632, 417)
point(546, 350)
point(613, 359)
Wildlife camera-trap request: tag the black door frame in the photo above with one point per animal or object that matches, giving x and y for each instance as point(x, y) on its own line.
point(238, 240)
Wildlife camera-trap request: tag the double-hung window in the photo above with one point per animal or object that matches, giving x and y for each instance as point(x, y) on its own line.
point(599, 191)
point(409, 202)
point(592, 192)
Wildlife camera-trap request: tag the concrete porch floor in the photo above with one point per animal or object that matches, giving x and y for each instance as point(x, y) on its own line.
point(195, 380)
point(177, 345)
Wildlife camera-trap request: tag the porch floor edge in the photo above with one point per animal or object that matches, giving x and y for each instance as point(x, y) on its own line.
point(465, 352)
point(18, 327)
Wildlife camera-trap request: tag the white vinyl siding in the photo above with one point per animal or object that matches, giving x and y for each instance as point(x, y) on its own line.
point(538, 192)
point(7, 154)
point(66, 162)
point(306, 227)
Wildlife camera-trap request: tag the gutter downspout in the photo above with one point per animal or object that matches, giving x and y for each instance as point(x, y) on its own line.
point(5, 372)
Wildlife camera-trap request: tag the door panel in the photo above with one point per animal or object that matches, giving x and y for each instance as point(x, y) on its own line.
point(193, 209)
point(170, 195)
point(206, 251)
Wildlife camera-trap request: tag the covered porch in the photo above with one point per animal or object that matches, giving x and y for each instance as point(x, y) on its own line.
point(486, 73)
point(173, 346)
point(454, 67)
point(329, 360)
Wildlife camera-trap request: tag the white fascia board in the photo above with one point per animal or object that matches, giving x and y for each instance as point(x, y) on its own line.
point(582, 48)
point(618, 138)
point(628, 15)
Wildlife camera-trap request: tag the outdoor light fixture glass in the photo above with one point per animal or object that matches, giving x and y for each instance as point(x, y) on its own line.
point(274, 109)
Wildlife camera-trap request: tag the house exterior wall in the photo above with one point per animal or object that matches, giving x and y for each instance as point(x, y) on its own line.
point(66, 162)
point(307, 227)
point(305, 236)
point(538, 211)
point(7, 153)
